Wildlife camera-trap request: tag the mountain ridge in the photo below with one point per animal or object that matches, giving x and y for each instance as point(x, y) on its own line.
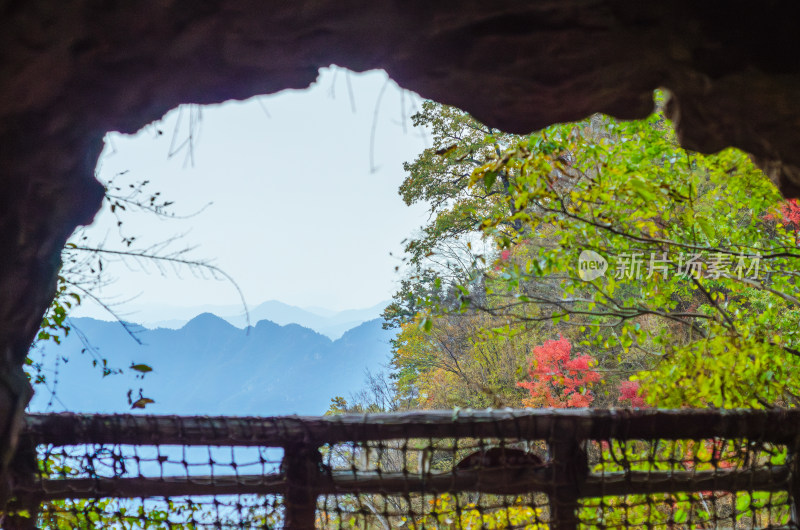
point(210, 366)
point(325, 321)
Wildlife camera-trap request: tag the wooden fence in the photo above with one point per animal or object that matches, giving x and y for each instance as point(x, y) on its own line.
point(569, 474)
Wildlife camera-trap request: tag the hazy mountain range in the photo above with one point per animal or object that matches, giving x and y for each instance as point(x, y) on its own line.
point(209, 366)
point(330, 323)
point(325, 321)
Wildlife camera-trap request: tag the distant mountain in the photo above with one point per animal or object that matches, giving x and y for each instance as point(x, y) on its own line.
point(331, 324)
point(210, 366)
point(325, 321)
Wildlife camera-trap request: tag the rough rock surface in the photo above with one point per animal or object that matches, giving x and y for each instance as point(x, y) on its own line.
point(73, 69)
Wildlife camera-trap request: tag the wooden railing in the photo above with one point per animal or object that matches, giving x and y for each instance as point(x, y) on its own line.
point(566, 478)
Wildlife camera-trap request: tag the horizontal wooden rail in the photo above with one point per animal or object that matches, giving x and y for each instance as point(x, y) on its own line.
point(512, 482)
point(777, 426)
point(122, 488)
point(494, 481)
point(642, 482)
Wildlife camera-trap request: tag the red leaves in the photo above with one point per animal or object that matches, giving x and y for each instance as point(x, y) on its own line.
point(629, 391)
point(557, 379)
point(789, 215)
point(790, 210)
point(505, 255)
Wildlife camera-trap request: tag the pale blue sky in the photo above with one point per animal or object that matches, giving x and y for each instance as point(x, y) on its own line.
point(299, 214)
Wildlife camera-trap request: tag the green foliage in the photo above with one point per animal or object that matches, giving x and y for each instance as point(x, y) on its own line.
point(754, 509)
point(440, 176)
point(700, 296)
point(54, 326)
point(113, 513)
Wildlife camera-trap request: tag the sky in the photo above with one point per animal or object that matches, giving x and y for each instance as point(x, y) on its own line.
point(293, 195)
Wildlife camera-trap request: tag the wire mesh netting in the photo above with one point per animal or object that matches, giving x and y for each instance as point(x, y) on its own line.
point(501, 469)
point(693, 483)
point(436, 482)
point(74, 479)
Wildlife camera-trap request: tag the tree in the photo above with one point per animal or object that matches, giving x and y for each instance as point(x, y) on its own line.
point(459, 362)
point(441, 177)
point(695, 298)
point(449, 250)
point(557, 379)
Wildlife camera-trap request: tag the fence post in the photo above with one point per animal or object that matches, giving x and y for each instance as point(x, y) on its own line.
point(301, 468)
point(570, 467)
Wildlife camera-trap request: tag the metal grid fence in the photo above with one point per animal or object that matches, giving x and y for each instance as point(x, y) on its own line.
point(456, 469)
